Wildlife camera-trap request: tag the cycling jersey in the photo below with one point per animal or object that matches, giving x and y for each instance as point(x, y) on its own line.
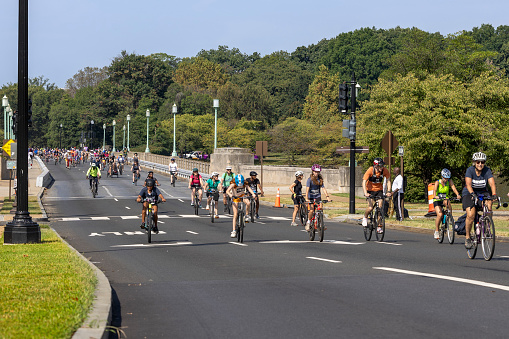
point(239, 191)
point(479, 182)
point(298, 187)
point(93, 172)
point(145, 194)
point(195, 180)
point(443, 189)
point(212, 184)
point(173, 167)
point(253, 184)
point(227, 179)
point(375, 180)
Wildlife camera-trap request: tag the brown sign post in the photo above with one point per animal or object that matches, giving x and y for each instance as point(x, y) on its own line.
point(261, 151)
point(389, 144)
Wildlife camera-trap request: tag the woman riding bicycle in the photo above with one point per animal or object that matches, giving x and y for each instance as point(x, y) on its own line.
point(314, 187)
point(477, 177)
point(296, 189)
point(212, 188)
point(238, 190)
point(196, 183)
point(443, 187)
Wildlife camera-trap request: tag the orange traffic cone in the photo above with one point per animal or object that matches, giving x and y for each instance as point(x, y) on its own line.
point(431, 209)
point(278, 199)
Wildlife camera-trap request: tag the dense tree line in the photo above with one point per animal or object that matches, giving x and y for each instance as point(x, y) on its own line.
point(442, 96)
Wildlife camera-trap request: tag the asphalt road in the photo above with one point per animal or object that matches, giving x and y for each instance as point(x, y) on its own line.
point(194, 281)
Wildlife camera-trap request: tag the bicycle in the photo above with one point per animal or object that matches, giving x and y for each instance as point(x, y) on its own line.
point(316, 222)
point(95, 184)
point(447, 222)
point(136, 177)
point(228, 206)
point(252, 207)
point(375, 220)
point(212, 204)
point(484, 229)
point(173, 178)
point(196, 199)
point(240, 224)
point(303, 210)
point(149, 217)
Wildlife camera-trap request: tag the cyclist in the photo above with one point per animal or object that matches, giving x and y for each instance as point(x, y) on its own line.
point(443, 186)
point(314, 188)
point(150, 176)
point(237, 191)
point(152, 193)
point(173, 169)
point(477, 177)
point(254, 183)
point(93, 173)
point(213, 184)
point(135, 159)
point(372, 185)
point(196, 183)
point(226, 180)
point(121, 162)
point(135, 168)
point(296, 189)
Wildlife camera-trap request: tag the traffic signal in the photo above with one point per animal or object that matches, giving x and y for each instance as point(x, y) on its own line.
point(29, 113)
point(343, 98)
point(349, 131)
point(15, 123)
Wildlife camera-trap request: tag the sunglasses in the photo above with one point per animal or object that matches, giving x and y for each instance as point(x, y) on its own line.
point(480, 162)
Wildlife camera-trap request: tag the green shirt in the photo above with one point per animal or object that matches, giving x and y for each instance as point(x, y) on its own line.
point(228, 178)
point(212, 184)
point(443, 189)
point(93, 172)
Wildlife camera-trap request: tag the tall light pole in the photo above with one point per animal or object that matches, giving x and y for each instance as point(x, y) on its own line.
point(216, 106)
point(123, 142)
point(174, 111)
point(148, 116)
point(128, 119)
point(10, 133)
point(60, 135)
point(104, 136)
point(5, 103)
point(114, 124)
point(91, 135)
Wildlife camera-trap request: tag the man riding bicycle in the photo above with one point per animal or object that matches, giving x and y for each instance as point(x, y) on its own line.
point(477, 177)
point(226, 180)
point(173, 170)
point(149, 193)
point(150, 176)
point(93, 174)
point(372, 185)
point(254, 183)
point(135, 168)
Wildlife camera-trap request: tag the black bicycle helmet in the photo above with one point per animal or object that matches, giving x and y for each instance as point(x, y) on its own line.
point(150, 182)
point(253, 173)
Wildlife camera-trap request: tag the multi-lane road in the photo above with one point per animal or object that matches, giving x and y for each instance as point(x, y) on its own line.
point(194, 281)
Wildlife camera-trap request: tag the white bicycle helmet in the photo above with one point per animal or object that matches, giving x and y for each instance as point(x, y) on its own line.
point(479, 156)
point(446, 174)
point(214, 174)
point(228, 167)
point(299, 173)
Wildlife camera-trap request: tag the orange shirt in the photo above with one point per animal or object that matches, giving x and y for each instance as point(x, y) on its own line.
point(376, 186)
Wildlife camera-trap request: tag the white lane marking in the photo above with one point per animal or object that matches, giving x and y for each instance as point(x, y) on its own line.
point(99, 218)
point(160, 222)
point(114, 233)
point(168, 194)
point(446, 277)
point(192, 232)
point(128, 207)
point(130, 217)
point(278, 218)
point(180, 200)
point(115, 199)
point(237, 243)
point(96, 235)
point(70, 219)
point(503, 256)
point(189, 216)
point(163, 216)
point(155, 245)
point(336, 242)
point(107, 190)
point(135, 233)
point(388, 243)
point(323, 259)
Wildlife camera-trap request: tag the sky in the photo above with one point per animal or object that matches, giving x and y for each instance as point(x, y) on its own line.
point(66, 36)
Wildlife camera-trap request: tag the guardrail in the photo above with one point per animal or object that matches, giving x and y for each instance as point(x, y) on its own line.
point(45, 178)
point(184, 173)
point(184, 164)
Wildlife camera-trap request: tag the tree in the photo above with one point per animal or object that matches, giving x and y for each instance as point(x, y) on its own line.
point(231, 60)
point(292, 137)
point(87, 77)
point(200, 74)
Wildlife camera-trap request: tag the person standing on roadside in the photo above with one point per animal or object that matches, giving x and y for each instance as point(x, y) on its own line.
point(398, 194)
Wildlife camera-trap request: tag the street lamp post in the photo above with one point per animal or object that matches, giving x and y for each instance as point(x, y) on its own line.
point(216, 106)
point(114, 124)
point(148, 116)
point(128, 119)
point(5, 103)
point(104, 136)
point(10, 133)
point(174, 111)
point(60, 136)
point(123, 140)
point(91, 135)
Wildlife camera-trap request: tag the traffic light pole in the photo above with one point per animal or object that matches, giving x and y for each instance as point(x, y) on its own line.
point(22, 229)
point(351, 209)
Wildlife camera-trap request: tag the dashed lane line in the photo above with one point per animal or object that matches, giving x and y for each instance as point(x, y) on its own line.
point(155, 245)
point(323, 259)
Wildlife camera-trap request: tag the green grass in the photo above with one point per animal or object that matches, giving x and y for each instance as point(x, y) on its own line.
point(33, 206)
point(46, 290)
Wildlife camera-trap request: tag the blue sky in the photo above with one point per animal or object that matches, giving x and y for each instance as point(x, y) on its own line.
point(68, 35)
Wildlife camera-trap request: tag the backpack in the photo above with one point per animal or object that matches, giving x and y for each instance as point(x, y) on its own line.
point(459, 225)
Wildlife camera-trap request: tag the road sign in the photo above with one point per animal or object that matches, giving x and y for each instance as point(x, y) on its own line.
point(389, 143)
point(262, 148)
point(401, 151)
point(346, 149)
point(11, 164)
point(7, 146)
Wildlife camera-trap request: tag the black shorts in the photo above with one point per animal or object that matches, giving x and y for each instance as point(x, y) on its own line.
point(376, 194)
point(215, 195)
point(298, 199)
point(468, 201)
point(439, 203)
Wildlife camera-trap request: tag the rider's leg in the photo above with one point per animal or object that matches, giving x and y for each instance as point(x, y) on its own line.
point(235, 212)
point(257, 200)
point(144, 212)
point(192, 195)
point(154, 209)
point(440, 214)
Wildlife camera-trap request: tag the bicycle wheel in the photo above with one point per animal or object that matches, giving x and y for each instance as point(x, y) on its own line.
point(441, 231)
point(303, 214)
point(321, 227)
point(196, 205)
point(212, 209)
point(148, 225)
point(241, 229)
point(368, 230)
point(252, 210)
point(312, 230)
point(488, 238)
point(449, 225)
point(380, 222)
point(237, 227)
point(173, 181)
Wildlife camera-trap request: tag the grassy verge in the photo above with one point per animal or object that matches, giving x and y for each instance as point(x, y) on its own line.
point(46, 290)
point(33, 206)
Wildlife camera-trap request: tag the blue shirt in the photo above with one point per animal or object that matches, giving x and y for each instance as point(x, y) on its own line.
point(315, 191)
point(479, 182)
